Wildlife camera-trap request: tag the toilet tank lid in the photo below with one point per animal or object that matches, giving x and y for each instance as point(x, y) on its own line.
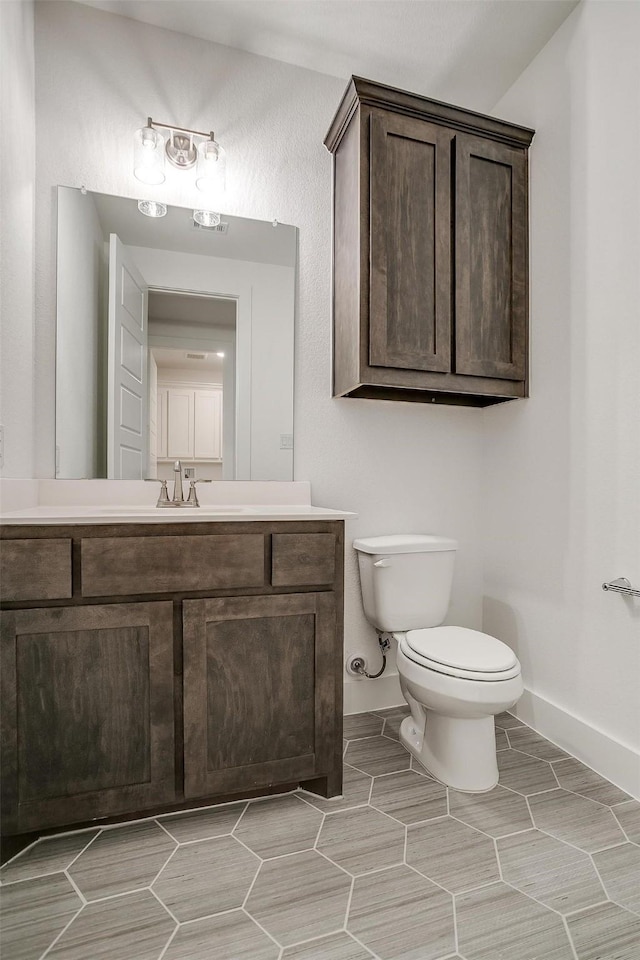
point(405, 543)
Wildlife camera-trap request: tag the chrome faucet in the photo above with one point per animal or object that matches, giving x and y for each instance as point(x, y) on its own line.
point(178, 493)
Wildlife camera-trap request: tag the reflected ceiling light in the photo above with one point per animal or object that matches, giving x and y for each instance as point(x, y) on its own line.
point(206, 218)
point(184, 149)
point(152, 208)
point(219, 354)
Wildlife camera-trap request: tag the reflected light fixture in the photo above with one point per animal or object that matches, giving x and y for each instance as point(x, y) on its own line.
point(206, 218)
point(152, 208)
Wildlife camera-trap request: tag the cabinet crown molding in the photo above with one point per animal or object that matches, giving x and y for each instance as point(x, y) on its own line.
point(371, 94)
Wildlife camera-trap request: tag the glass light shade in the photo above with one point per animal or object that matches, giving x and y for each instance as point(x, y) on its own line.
point(148, 156)
point(206, 218)
point(211, 168)
point(152, 208)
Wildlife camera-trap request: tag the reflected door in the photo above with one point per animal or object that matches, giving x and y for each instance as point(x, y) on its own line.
point(127, 395)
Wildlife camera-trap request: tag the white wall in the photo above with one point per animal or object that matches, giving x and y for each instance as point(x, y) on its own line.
point(401, 467)
point(81, 338)
point(561, 472)
point(17, 198)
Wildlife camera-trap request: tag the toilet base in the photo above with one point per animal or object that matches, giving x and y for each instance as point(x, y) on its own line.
point(458, 751)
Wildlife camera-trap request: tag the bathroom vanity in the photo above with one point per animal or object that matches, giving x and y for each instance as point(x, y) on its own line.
point(168, 662)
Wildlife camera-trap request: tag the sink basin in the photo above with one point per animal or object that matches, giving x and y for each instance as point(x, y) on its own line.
point(147, 510)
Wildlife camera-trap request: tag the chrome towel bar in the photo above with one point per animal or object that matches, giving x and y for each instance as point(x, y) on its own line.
point(621, 585)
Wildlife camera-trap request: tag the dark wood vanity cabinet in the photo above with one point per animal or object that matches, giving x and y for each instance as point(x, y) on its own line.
point(87, 711)
point(259, 676)
point(430, 251)
point(170, 665)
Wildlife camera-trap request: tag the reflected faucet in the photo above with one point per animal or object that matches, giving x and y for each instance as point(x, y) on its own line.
point(178, 495)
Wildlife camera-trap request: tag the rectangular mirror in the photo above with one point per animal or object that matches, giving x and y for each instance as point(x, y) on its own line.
point(174, 341)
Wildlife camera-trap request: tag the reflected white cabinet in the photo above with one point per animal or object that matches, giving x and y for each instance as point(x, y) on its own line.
point(207, 424)
point(189, 422)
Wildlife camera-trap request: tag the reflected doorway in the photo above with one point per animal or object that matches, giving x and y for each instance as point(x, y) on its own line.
point(192, 354)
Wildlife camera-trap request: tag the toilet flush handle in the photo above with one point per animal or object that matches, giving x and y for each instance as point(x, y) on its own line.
point(385, 562)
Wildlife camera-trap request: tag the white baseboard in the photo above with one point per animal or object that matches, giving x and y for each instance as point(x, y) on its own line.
point(613, 760)
point(363, 695)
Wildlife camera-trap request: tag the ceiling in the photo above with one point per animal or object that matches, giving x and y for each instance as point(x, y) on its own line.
point(255, 240)
point(170, 307)
point(464, 51)
point(210, 367)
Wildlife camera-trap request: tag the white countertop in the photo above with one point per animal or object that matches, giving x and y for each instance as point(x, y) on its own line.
point(133, 501)
point(151, 514)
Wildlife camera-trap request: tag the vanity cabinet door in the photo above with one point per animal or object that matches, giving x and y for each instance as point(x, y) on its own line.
point(259, 691)
point(87, 713)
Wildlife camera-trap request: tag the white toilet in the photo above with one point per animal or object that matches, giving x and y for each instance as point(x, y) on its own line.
point(454, 679)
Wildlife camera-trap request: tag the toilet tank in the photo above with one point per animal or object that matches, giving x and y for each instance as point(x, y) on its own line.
point(405, 580)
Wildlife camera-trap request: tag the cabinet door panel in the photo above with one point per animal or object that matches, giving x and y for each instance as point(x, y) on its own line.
point(180, 423)
point(207, 421)
point(88, 721)
point(258, 691)
point(410, 303)
point(491, 259)
point(277, 710)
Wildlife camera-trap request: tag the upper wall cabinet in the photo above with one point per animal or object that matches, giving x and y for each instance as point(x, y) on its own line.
point(430, 261)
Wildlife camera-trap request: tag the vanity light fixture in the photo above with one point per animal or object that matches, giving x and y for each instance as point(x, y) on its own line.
point(184, 149)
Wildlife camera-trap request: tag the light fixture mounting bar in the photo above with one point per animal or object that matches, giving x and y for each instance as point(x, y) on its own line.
point(172, 126)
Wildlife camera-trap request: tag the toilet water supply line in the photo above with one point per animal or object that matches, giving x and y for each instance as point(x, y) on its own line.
point(358, 665)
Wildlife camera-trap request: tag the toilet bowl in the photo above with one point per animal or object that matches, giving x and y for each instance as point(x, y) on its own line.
point(451, 729)
point(454, 679)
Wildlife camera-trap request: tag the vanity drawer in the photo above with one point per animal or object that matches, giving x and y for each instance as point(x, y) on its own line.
point(130, 566)
point(302, 559)
point(35, 569)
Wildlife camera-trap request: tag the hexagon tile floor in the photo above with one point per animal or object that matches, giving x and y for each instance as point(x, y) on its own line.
point(544, 867)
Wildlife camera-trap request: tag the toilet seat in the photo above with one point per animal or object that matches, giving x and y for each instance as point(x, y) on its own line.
point(460, 652)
